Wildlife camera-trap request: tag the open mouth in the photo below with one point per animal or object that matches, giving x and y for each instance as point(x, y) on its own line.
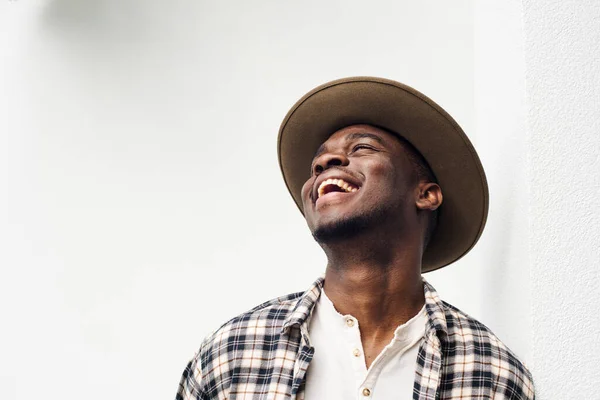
point(335, 185)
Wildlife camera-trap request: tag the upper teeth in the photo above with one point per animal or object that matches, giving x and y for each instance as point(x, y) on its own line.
point(348, 187)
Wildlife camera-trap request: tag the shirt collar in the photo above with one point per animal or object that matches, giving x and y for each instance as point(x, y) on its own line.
point(306, 303)
point(304, 306)
point(435, 310)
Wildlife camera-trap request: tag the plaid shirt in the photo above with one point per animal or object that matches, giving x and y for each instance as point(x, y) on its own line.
point(265, 353)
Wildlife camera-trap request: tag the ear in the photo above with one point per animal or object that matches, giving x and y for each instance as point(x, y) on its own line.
point(429, 196)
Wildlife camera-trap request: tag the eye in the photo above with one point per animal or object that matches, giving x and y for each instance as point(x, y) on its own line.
point(362, 146)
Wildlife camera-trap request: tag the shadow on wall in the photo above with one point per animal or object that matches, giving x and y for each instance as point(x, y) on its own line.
point(114, 20)
point(496, 282)
point(504, 253)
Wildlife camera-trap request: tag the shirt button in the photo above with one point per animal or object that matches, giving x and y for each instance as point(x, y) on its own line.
point(350, 322)
point(356, 352)
point(366, 392)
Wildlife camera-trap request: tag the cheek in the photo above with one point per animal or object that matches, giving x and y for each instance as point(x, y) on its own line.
point(381, 173)
point(305, 192)
point(389, 180)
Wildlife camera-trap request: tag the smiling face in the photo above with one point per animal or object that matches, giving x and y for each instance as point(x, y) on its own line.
point(361, 177)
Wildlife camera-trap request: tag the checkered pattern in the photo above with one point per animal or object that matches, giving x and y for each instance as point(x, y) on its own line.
point(265, 353)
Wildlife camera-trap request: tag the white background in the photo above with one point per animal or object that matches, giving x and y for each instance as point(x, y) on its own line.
point(141, 203)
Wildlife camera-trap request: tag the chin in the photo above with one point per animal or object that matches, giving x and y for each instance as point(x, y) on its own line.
point(347, 227)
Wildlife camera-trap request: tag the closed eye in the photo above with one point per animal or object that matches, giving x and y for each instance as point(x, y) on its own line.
point(362, 146)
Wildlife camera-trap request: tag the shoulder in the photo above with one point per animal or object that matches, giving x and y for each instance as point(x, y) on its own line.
point(257, 324)
point(268, 316)
point(250, 335)
point(477, 349)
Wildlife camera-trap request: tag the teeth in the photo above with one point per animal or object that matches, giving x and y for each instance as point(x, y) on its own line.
point(338, 182)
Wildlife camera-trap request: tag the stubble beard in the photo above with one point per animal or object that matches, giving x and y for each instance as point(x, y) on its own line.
point(349, 227)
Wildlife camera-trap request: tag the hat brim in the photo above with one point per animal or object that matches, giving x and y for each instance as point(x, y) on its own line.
point(405, 111)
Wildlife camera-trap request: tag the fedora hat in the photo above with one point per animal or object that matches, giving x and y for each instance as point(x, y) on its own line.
point(408, 113)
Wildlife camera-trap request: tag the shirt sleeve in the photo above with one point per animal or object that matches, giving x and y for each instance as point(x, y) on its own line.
point(529, 388)
point(189, 385)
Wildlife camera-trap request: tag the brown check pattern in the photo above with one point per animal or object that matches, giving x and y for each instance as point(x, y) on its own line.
point(265, 353)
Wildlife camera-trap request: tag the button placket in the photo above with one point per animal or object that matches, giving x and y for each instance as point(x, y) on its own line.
point(352, 332)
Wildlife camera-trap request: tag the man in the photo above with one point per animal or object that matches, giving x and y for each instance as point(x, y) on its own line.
point(390, 187)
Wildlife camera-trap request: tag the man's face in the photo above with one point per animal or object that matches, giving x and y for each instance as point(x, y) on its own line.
point(361, 177)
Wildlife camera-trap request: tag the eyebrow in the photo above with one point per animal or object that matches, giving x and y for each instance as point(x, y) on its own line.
point(363, 135)
point(351, 137)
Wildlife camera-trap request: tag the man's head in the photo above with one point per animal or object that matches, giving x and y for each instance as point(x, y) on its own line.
point(364, 179)
point(324, 112)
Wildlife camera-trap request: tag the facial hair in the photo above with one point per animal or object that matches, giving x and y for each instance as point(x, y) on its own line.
point(350, 227)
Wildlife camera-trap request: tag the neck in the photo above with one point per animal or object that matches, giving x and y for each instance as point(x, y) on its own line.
point(376, 281)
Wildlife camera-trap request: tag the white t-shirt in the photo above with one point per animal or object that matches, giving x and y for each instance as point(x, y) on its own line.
point(338, 369)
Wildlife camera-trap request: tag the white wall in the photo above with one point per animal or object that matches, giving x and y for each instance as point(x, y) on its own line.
point(492, 282)
point(144, 204)
point(141, 204)
point(563, 113)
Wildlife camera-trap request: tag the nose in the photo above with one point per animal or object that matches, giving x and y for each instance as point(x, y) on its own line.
point(328, 160)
